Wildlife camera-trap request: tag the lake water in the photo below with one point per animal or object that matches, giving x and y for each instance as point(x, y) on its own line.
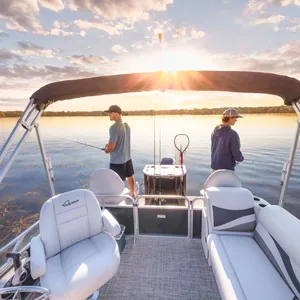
point(265, 139)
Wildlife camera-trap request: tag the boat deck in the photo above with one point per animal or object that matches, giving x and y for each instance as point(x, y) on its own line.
point(162, 268)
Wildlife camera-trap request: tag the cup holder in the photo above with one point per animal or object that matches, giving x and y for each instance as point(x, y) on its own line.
point(256, 199)
point(262, 205)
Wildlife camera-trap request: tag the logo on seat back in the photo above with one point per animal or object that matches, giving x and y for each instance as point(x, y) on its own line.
point(69, 203)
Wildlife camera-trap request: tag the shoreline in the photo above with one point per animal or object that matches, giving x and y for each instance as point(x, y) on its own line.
point(194, 112)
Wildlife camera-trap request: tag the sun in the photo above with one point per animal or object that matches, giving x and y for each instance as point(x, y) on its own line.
point(185, 59)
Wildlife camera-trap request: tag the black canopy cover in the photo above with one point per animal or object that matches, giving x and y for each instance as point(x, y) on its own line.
point(229, 81)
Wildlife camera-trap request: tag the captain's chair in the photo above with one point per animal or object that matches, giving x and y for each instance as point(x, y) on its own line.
point(75, 253)
point(107, 182)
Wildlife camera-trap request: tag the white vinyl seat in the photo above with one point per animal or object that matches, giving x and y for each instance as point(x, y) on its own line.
point(222, 178)
point(75, 253)
point(243, 271)
point(106, 182)
point(253, 263)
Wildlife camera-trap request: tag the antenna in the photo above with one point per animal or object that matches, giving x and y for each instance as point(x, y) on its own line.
point(160, 35)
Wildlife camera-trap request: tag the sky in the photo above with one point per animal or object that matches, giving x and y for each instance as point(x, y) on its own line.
point(43, 41)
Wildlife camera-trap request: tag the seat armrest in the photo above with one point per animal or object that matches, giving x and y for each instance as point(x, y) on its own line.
point(110, 224)
point(37, 258)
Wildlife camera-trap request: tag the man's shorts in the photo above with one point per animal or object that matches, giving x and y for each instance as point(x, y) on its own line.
point(123, 170)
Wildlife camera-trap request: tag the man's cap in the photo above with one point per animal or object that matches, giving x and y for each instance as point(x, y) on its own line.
point(231, 112)
point(114, 108)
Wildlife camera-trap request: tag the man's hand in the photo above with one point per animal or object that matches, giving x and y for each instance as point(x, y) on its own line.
point(105, 149)
point(109, 147)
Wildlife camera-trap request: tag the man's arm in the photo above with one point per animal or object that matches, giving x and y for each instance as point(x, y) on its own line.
point(113, 136)
point(235, 146)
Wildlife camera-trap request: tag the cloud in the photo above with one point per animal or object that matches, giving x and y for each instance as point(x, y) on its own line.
point(31, 49)
point(256, 13)
point(55, 5)
point(254, 6)
point(138, 45)
point(23, 16)
point(115, 9)
point(185, 34)
point(59, 32)
point(47, 73)
point(20, 15)
point(274, 19)
point(197, 34)
point(295, 25)
point(6, 55)
point(171, 34)
point(119, 49)
point(285, 2)
point(291, 50)
point(90, 59)
point(285, 60)
point(179, 32)
point(145, 43)
point(108, 27)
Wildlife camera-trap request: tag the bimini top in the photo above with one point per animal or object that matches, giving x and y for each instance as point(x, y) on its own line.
point(229, 81)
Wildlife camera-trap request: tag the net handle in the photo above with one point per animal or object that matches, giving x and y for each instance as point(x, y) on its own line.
point(188, 143)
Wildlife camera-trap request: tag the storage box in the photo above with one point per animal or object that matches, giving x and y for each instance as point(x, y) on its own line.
point(120, 239)
point(165, 180)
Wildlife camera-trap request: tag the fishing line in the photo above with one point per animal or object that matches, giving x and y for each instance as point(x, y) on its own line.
point(85, 144)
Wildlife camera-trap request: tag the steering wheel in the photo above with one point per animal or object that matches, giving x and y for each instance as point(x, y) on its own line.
point(17, 291)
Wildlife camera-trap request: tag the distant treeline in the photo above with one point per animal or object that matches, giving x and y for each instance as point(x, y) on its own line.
point(195, 111)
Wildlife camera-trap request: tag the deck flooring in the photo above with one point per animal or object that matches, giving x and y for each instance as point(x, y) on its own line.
point(162, 268)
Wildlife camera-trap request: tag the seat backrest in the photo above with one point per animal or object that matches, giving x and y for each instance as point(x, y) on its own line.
point(278, 234)
point(69, 218)
point(107, 182)
point(230, 209)
point(222, 178)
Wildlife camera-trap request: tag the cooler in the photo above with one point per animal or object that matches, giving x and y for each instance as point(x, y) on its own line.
point(165, 180)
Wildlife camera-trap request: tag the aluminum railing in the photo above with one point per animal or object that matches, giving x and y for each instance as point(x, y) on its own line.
point(15, 243)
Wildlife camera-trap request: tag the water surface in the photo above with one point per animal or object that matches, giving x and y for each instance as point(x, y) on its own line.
point(266, 142)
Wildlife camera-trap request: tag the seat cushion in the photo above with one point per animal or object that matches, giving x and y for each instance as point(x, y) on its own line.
point(81, 269)
point(278, 235)
point(69, 218)
point(243, 271)
point(230, 209)
point(113, 200)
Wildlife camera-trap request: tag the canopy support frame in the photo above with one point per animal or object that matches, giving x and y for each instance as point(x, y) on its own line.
point(27, 121)
point(288, 165)
point(46, 160)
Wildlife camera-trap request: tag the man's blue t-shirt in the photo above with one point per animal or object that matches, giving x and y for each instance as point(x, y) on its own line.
point(119, 133)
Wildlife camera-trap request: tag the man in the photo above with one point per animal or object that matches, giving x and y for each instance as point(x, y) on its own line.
point(225, 143)
point(119, 147)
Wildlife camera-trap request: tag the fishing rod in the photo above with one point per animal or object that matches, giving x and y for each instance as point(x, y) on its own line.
point(85, 144)
point(251, 161)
